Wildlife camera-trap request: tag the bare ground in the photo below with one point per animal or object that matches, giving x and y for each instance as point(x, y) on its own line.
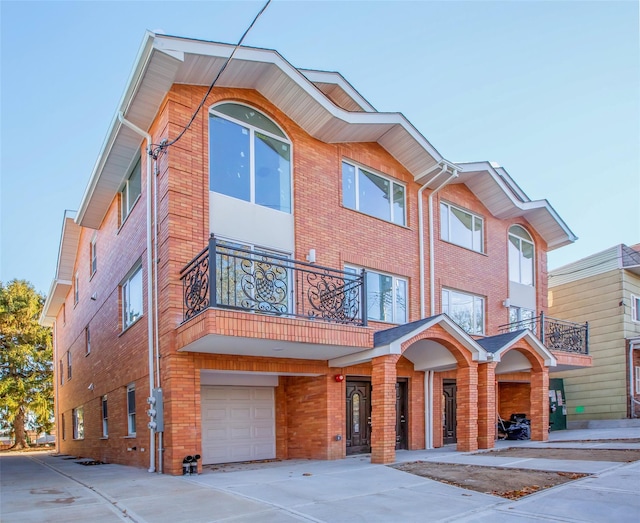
point(513, 483)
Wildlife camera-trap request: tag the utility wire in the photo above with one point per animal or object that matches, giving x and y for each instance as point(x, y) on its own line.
point(163, 146)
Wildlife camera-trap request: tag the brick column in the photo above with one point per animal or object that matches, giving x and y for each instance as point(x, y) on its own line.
point(539, 400)
point(467, 408)
point(487, 405)
point(383, 409)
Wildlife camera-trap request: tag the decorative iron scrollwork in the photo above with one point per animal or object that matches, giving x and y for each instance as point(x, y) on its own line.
point(195, 287)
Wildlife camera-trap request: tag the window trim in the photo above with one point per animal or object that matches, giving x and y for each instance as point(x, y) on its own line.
point(637, 380)
point(392, 181)
point(93, 257)
point(473, 216)
point(252, 167)
point(104, 411)
point(131, 414)
point(126, 206)
point(76, 288)
point(69, 372)
point(62, 426)
point(61, 371)
point(78, 423)
point(472, 295)
point(87, 339)
point(394, 279)
point(635, 308)
point(137, 268)
point(533, 259)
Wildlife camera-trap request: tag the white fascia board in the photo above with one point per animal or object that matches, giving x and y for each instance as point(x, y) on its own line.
point(269, 56)
point(335, 78)
point(361, 357)
point(523, 208)
point(55, 299)
point(547, 356)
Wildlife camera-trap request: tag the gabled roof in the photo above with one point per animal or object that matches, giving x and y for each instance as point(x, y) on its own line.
point(63, 280)
point(501, 343)
point(505, 200)
point(630, 258)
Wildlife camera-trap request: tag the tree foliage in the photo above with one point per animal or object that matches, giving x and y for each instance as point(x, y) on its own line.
point(26, 366)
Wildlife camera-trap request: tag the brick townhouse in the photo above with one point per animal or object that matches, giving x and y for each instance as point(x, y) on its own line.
point(296, 275)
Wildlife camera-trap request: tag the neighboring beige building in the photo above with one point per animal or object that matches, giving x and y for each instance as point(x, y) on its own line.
point(603, 289)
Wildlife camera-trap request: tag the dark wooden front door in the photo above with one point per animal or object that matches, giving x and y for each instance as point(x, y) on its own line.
point(358, 417)
point(449, 411)
point(402, 421)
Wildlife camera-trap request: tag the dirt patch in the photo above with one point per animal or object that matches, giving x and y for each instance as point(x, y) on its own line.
point(618, 455)
point(513, 483)
point(507, 483)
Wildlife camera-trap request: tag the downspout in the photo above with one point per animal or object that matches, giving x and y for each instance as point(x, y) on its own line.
point(56, 376)
point(155, 298)
point(150, 270)
point(421, 240)
point(432, 268)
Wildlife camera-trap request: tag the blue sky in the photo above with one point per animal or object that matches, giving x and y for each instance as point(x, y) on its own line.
point(547, 89)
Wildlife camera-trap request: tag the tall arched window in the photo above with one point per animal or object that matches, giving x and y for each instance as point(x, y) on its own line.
point(521, 256)
point(249, 157)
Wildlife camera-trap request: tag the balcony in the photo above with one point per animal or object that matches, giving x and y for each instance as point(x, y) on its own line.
point(557, 335)
point(227, 276)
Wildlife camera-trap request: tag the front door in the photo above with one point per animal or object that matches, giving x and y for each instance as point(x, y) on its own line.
point(449, 411)
point(401, 415)
point(358, 417)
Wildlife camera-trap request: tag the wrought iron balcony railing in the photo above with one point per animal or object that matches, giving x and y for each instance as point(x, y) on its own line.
point(242, 279)
point(555, 334)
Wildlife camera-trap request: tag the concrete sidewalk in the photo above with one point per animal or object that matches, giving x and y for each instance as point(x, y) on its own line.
point(42, 487)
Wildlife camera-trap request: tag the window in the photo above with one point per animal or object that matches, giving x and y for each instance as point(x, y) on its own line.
point(76, 289)
point(635, 308)
point(61, 371)
point(461, 227)
point(93, 257)
point(250, 278)
point(249, 157)
point(131, 190)
point(68, 365)
point(64, 315)
point(467, 310)
point(521, 258)
point(78, 423)
point(132, 297)
point(87, 336)
point(64, 432)
point(131, 410)
point(637, 389)
point(386, 296)
point(520, 318)
point(373, 194)
point(105, 418)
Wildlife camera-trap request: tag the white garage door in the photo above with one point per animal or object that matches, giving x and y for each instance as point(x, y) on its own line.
point(238, 424)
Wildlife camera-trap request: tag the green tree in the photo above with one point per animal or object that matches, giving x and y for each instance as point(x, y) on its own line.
point(26, 366)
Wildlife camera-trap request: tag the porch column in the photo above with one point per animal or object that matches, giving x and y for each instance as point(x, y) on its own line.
point(487, 405)
point(539, 401)
point(467, 408)
point(383, 409)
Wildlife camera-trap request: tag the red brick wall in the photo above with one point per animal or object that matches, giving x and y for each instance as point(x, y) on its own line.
point(513, 398)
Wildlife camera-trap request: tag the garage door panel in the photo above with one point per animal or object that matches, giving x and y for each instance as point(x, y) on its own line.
point(238, 423)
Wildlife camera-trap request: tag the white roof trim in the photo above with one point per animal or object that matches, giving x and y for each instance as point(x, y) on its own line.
point(515, 203)
point(329, 77)
point(547, 356)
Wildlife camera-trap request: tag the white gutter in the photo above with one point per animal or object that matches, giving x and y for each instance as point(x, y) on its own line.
point(150, 270)
point(432, 269)
point(421, 239)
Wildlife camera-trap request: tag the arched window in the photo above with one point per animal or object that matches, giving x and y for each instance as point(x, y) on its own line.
point(249, 157)
point(521, 256)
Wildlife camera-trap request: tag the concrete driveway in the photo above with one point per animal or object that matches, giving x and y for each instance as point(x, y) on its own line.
point(43, 487)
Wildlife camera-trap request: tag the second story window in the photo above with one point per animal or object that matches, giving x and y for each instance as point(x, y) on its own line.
point(131, 290)
point(461, 227)
point(76, 288)
point(87, 334)
point(467, 310)
point(249, 157)
point(521, 256)
point(386, 296)
point(373, 194)
point(131, 190)
point(68, 365)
